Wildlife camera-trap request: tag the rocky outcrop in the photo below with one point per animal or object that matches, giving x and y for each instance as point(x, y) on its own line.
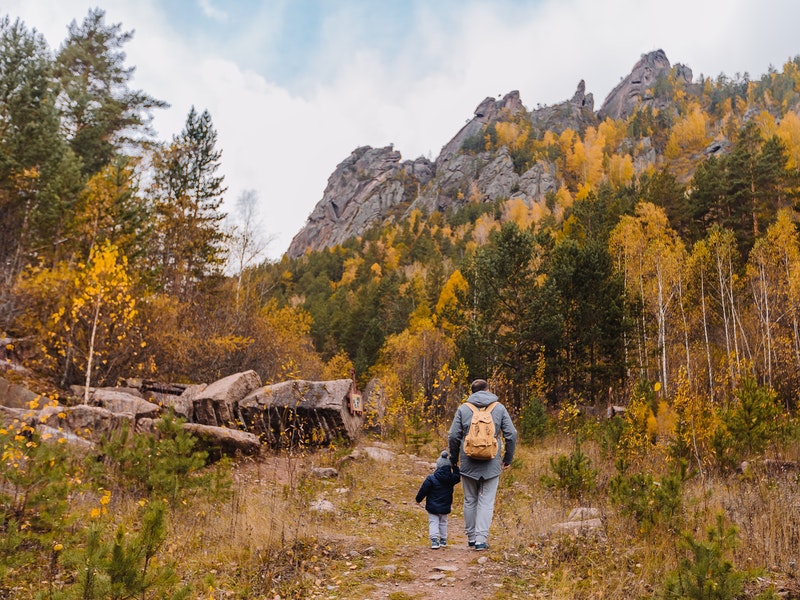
point(366, 189)
point(372, 186)
point(488, 111)
point(235, 414)
point(639, 87)
point(536, 182)
point(576, 113)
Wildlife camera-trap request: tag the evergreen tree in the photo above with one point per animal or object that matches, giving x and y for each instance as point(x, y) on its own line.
point(100, 113)
point(589, 354)
point(498, 337)
point(187, 192)
point(38, 178)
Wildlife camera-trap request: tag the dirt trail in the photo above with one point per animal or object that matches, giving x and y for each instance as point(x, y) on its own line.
point(451, 573)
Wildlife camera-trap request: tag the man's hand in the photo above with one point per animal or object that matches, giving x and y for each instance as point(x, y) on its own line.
point(506, 466)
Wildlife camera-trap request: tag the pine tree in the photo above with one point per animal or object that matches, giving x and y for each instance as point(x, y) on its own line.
point(38, 178)
point(99, 111)
point(187, 192)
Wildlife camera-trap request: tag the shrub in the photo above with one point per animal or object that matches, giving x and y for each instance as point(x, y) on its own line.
point(705, 574)
point(748, 426)
point(160, 465)
point(648, 501)
point(574, 475)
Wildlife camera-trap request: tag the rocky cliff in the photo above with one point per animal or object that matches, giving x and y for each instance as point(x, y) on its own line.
point(373, 185)
point(366, 188)
point(640, 86)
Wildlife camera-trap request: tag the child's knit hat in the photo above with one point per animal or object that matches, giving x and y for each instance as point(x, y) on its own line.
point(443, 460)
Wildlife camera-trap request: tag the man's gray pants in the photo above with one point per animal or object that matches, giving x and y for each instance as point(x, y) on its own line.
point(479, 495)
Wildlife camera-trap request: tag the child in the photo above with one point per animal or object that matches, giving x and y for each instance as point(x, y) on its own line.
point(438, 487)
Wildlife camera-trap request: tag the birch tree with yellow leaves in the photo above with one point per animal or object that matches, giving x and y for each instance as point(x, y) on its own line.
point(651, 257)
point(103, 308)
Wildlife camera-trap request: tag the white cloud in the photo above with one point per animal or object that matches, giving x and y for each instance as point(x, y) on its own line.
point(415, 91)
point(211, 11)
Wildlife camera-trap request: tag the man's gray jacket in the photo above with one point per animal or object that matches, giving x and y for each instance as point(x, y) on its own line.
point(486, 469)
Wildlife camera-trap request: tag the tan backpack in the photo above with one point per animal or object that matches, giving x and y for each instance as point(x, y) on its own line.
point(481, 441)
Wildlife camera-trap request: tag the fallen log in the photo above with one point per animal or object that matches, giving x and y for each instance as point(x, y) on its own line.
point(303, 412)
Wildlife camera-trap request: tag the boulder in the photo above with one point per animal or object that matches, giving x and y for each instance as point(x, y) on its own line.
point(89, 422)
point(24, 415)
point(122, 402)
point(79, 391)
point(325, 472)
point(13, 395)
point(218, 404)
point(307, 411)
point(583, 513)
point(581, 521)
point(222, 440)
point(587, 527)
point(51, 434)
point(182, 405)
point(322, 506)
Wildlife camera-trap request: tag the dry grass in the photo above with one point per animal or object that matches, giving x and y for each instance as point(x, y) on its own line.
point(265, 542)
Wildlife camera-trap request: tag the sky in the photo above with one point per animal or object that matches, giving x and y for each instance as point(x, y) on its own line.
point(294, 86)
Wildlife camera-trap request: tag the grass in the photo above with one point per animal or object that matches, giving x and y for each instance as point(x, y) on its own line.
point(263, 541)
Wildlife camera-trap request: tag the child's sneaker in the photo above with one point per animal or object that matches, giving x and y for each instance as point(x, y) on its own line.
point(442, 542)
point(481, 546)
point(471, 544)
point(434, 543)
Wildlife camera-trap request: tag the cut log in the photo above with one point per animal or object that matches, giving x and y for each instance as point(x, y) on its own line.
point(303, 412)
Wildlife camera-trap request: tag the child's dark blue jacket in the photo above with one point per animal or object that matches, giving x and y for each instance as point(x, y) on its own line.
point(438, 488)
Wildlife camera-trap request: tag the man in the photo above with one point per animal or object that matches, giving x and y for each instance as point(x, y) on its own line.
point(479, 478)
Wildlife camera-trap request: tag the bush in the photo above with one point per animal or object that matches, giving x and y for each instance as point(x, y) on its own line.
point(706, 574)
point(574, 475)
point(753, 422)
point(159, 466)
point(648, 501)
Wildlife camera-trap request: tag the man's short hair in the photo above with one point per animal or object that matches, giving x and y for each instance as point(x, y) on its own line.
point(479, 385)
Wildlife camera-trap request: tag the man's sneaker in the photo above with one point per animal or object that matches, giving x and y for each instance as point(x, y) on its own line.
point(471, 544)
point(434, 543)
point(482, 546)
point(442, 542)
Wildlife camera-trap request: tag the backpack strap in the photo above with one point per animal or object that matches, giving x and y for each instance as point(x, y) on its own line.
point(490, 408)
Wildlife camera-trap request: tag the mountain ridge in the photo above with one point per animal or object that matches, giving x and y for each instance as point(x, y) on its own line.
point(374, 185)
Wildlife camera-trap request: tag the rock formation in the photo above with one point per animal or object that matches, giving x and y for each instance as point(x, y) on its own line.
point(365, 189)
point(639, 87)
point(372, 186)
point(576, 114)
point(235, 414)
